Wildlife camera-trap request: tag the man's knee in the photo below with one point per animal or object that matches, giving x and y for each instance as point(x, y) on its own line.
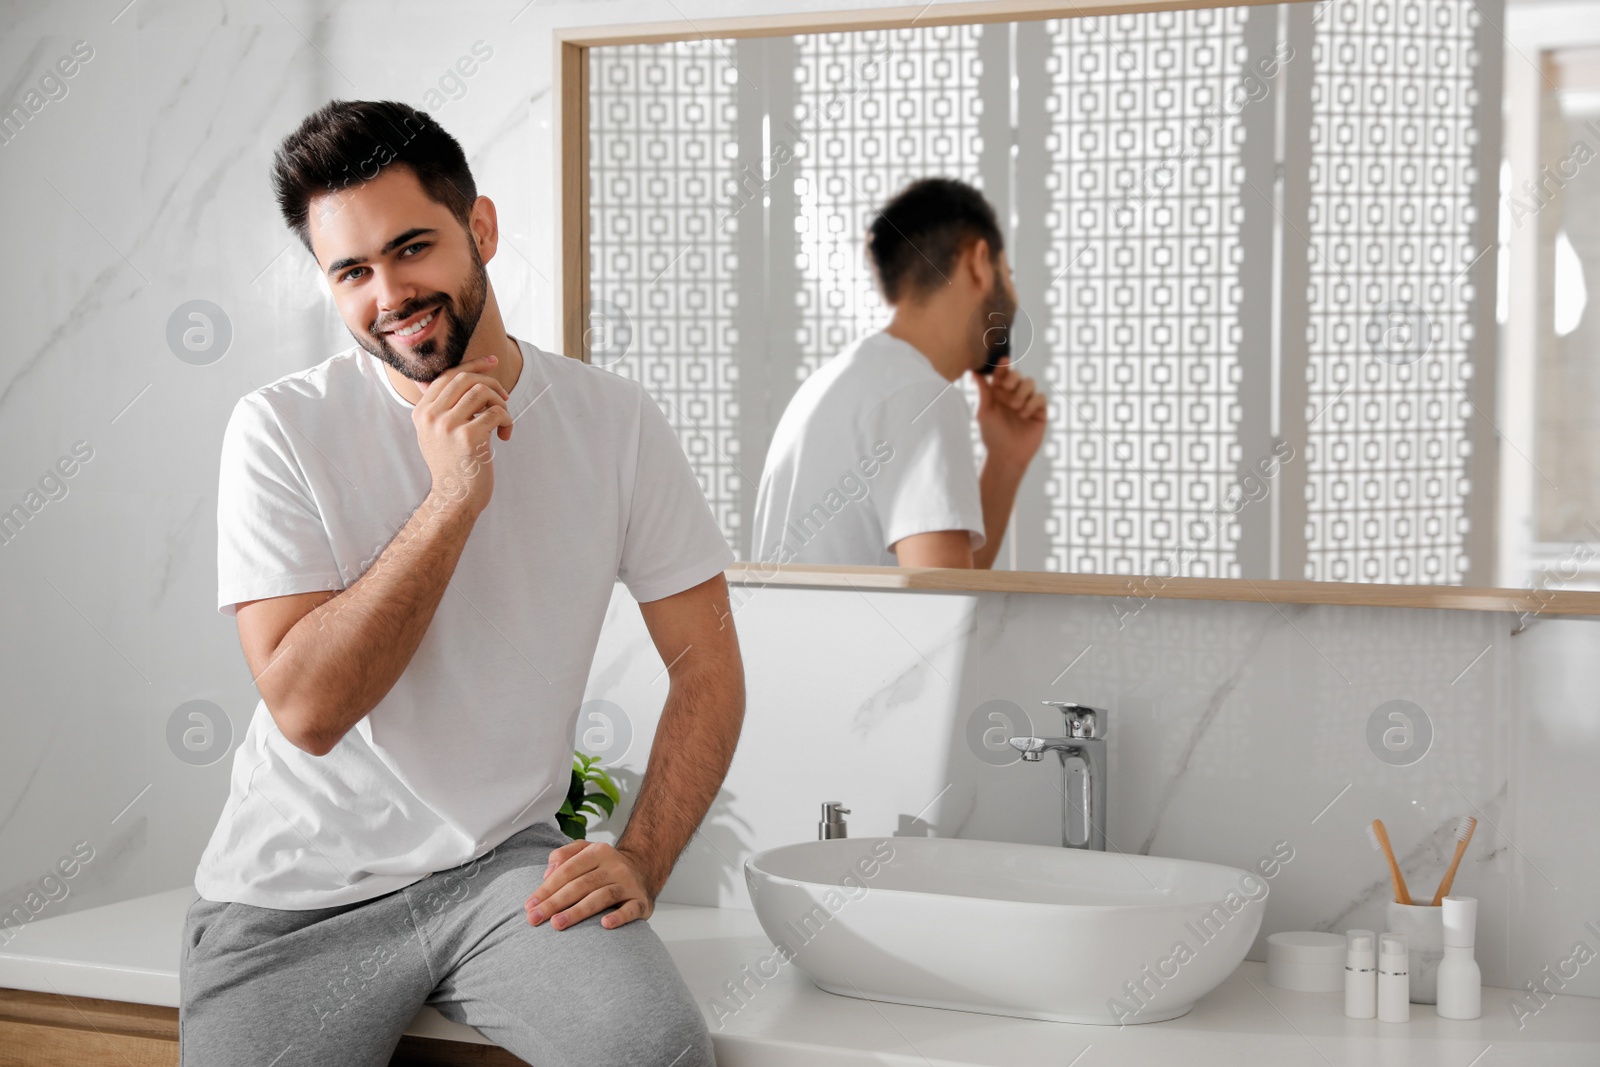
point(651, 1018)
point(669, 1032)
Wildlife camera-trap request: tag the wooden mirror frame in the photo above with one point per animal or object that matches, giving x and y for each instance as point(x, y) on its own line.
point(572, 190)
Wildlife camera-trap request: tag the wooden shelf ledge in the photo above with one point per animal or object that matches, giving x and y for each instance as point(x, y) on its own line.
point(1520, 602)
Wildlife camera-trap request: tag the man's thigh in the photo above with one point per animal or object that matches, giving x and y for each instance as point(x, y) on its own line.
point(583, 995)
point(260, 986)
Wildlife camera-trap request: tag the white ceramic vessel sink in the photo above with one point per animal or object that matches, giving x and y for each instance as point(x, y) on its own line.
point(1028, 930)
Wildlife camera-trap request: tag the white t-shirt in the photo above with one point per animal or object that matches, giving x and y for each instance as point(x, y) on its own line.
point(474, 742)
point(876, 445)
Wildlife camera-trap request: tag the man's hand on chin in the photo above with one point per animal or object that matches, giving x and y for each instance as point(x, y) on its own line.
point(585, 877)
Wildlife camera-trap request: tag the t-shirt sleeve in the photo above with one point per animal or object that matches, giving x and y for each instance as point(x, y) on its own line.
point(672, 541)
point(270, 537)
point(931, 481)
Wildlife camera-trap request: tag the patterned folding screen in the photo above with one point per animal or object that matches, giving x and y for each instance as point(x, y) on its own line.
point(1162, 193)
point(664, 266)
point(889, 106)
point(1145, 213)
point(1400, 483)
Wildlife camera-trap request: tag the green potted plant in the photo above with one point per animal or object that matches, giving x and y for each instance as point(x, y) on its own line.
point(581, 802)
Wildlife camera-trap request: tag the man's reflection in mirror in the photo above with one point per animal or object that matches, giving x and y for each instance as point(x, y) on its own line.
point(872, 462)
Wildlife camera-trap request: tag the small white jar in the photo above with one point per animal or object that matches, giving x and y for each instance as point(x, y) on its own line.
point(1306, 962)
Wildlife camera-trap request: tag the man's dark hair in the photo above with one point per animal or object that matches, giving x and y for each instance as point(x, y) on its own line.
point(347, 142)
point(918, 235)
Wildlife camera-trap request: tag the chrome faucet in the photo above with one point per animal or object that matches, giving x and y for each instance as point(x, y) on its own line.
point(1083, 772)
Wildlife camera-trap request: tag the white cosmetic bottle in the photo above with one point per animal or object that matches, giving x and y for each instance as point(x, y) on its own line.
point(1460, 980)
point(1360, 974)
point(1394, 981)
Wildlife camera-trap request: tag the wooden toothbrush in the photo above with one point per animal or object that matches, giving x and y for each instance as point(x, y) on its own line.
point(1380, 843)
point(1463, 834)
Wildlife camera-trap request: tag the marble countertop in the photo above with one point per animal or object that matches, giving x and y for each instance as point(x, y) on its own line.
point(129, 951)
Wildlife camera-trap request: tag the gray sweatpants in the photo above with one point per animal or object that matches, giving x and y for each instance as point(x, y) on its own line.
point(336, 986)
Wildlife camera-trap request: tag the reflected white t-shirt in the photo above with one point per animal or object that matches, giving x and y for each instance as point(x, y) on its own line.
point(875, 446)
point(474, 742)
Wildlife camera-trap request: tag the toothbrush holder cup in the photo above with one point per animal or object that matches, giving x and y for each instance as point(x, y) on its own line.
point(1424, 929)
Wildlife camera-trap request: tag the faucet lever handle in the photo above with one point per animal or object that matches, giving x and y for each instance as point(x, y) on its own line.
point(1083, 721)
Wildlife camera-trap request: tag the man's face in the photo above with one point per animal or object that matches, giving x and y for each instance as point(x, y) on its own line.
point(996, 315)
point(397, 260)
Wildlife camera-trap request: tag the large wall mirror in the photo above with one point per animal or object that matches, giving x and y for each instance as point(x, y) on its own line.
point(1260, 254)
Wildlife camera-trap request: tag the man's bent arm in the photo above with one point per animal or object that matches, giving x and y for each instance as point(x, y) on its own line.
point(342, 657)
point(699, 727)
point(997, 487)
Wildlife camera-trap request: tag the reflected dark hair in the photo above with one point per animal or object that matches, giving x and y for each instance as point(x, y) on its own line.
point(918, 235)
point(347, 142)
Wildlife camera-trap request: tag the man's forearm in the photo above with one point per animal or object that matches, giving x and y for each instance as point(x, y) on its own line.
point(693, 747)
point(336, 663)
point(997, 488)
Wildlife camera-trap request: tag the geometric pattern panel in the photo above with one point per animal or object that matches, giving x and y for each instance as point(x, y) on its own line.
point(876, 110)
point(663, 259)
point(1394, 194)
point(1144, 302)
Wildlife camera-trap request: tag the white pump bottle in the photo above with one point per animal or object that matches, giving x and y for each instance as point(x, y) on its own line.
point(1460, 980)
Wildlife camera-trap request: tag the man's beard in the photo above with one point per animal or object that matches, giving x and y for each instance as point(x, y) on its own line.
point(460, 315)
point(997, 316)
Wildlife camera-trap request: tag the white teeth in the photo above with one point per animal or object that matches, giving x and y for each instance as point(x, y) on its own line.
point(409, 330)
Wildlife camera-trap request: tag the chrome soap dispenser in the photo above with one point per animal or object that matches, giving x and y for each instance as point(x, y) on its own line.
point(832, 824)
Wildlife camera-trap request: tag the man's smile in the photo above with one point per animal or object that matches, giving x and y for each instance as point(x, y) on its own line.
point(412, 330)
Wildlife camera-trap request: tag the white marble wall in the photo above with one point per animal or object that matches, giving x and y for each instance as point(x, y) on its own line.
point(146, 185)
